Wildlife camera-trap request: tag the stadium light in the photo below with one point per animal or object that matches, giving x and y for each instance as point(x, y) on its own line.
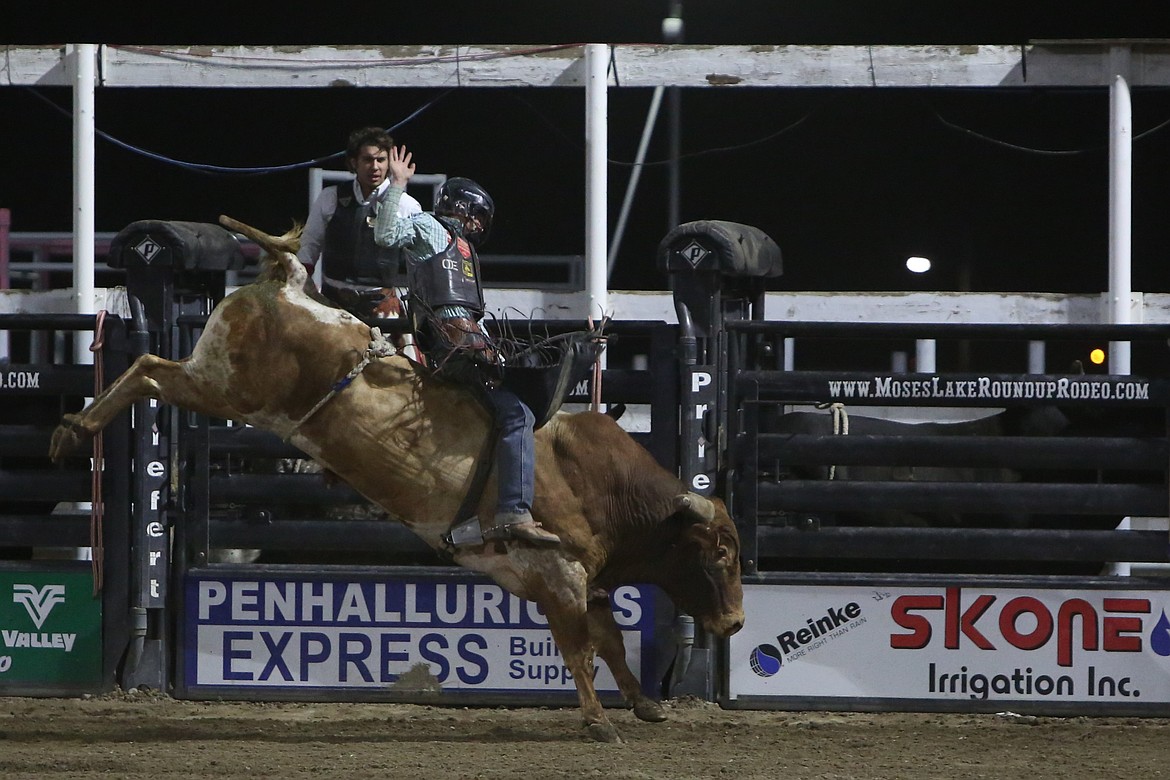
point(917, 264)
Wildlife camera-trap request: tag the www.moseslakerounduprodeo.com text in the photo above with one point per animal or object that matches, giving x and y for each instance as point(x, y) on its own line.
point(1064, 388)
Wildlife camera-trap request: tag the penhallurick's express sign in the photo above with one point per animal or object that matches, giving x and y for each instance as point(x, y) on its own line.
point(953, 644)
point(460, 635)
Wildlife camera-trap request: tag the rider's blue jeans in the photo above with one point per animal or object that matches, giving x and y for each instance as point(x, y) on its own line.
point(515, 451)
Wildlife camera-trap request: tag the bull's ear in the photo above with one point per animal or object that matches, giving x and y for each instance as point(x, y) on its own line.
point(695, 507)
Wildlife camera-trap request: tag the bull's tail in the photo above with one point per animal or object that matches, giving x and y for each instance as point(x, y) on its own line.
point(281, 261)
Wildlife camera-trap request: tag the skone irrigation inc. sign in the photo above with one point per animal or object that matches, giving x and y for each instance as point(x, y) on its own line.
point(950, 646)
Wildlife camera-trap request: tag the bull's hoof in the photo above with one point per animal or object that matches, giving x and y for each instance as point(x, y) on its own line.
point(649, 711)
point(67, 438)
point(603, 732)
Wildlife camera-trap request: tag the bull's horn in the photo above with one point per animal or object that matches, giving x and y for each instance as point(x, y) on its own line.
point(695, 505)
point(289, 242)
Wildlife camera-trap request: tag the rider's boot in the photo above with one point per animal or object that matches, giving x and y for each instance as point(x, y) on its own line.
point(520, 525)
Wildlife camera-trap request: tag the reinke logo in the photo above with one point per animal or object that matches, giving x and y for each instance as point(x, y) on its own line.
point(38, 603)
point(766, 660)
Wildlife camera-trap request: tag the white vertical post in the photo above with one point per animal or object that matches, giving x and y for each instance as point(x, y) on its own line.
point(924, 356)
point(84, 61)
point(83, 67)
point(1120, 214)
point(1120, 227)
point(316, 184)
point(596, 156)
point(1036, 357)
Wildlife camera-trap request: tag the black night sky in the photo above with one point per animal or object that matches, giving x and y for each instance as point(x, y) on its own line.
point(1006, 189)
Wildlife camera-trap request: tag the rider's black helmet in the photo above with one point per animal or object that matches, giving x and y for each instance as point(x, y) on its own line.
point(462, 198)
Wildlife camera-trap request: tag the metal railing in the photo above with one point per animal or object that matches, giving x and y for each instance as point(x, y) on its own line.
point(29, 259)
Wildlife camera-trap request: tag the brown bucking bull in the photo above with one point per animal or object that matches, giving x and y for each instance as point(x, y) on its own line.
point(272, 355)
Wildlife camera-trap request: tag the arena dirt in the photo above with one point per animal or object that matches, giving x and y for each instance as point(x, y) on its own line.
point(146, 735)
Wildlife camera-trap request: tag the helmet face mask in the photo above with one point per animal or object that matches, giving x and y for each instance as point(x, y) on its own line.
point(470, 203)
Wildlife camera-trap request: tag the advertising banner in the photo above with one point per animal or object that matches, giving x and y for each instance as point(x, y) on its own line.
point(464, 635)
point(50, 629)
point(953, 644)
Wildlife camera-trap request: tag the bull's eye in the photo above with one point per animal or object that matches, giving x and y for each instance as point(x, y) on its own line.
point(721, 553)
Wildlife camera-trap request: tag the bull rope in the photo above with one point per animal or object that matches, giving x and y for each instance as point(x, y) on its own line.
point(379, 347)
point(840, 424)
point(97, 506)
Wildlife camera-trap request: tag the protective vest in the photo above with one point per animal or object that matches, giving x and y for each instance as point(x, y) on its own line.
point(449, 278)
point(348, 251)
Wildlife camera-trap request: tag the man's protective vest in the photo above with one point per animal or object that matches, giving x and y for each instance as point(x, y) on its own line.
point(348, 251)
point(450, 278)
